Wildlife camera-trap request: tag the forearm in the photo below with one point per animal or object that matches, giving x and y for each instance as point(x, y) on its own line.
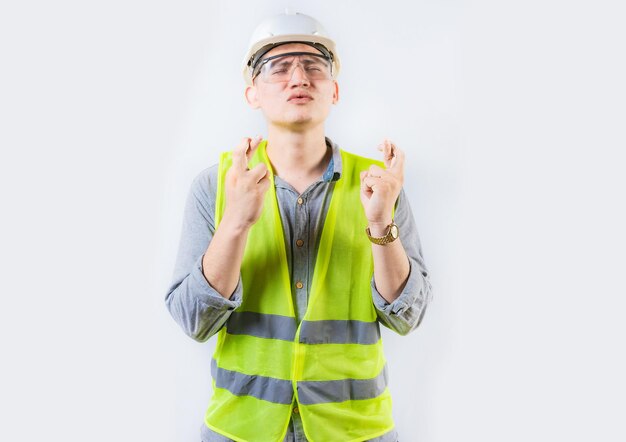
point(193, 302)
point(221, 264)
point(405, 313)
point(391, 264)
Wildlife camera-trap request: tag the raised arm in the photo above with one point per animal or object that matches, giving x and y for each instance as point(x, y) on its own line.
point(206, 286)
point(400, 285)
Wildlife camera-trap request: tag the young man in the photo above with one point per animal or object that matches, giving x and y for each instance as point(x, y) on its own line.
point(294, 251)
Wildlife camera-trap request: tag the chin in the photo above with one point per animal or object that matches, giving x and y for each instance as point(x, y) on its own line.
point(297, 118)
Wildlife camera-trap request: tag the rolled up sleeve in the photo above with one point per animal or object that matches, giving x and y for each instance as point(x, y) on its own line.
point(406, 312)
point(195, 305)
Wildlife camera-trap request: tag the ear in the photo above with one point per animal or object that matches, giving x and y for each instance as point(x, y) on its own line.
point(336, 92)
point(252, 98)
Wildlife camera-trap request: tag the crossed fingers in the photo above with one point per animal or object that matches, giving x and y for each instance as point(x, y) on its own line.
point(393, 174)
point(244, 151)
point(393, 157)
point(241, 155)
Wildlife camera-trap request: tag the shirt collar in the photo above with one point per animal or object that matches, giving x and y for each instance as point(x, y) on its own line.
point(333, 171)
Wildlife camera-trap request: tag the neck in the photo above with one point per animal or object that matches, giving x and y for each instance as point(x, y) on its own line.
point(298, 157)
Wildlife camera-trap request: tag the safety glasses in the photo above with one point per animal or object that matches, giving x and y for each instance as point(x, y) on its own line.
point(279, 68)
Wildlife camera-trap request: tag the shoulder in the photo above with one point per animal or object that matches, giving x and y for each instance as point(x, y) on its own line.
point(205, 183)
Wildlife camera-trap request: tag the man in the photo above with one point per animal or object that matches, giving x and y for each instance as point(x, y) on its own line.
point(294, 250)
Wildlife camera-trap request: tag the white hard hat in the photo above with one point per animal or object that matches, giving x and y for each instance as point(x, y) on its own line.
point(287, 28)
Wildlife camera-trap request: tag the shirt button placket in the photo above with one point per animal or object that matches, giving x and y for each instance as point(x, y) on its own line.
point(300, 255)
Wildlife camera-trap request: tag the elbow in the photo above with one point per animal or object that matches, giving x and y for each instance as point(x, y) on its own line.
point(189, 323)
point(186, 315)
point(412, 326)
point(197, 319)
point(198, 336)
point(418, 310)
point(427, 300)
point(403, 331)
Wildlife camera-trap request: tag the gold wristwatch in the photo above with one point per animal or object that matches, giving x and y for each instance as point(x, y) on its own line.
point(391, 235)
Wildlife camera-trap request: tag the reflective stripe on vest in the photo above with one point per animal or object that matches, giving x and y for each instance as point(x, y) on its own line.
point(332, 331)
point(332, 365)
point(309, 392)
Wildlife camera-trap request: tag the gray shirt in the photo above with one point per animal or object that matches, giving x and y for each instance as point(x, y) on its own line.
point(201, 311)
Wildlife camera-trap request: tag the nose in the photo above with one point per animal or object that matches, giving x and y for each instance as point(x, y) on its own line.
point(300, 76)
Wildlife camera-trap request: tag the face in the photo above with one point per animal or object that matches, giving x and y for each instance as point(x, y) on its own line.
point(274, 98)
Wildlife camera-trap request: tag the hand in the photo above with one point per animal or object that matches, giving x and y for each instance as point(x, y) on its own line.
point(380, 187)
point(245, 188)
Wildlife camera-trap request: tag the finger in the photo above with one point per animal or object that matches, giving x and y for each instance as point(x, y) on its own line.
point(398, 162)
point(390, 154)
point(364, 187)
point(378, 171)
point(371, 181)
point(256, 142)
point(394, 159)
point(363, 174)
point(265, 183)
point(386, 148)
point(387, 176)
point(240, 160)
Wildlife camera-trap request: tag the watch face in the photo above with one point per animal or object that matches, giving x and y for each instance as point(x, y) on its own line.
point(394, 231)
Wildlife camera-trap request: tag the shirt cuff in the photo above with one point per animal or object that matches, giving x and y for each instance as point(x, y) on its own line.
point(401, 303)
point(209, 295)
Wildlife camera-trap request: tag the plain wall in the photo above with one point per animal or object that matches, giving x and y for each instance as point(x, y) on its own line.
point(512, 118)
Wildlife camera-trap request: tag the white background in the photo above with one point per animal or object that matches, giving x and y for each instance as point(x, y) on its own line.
point(512, 116)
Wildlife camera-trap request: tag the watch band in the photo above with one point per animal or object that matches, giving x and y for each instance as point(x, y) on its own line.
point(391, 235)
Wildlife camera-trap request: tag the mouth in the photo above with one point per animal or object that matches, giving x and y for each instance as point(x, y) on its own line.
point(300, 98)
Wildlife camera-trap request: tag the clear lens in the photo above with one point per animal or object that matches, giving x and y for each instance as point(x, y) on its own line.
point(280, 68)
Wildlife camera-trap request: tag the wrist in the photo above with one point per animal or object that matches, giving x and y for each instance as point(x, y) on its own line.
point(379, 228)
point(234, 224)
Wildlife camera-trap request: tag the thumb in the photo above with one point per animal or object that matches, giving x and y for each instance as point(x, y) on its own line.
point(258, 172)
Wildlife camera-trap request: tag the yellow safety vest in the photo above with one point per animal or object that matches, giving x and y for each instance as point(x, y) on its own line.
point(331, 366)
